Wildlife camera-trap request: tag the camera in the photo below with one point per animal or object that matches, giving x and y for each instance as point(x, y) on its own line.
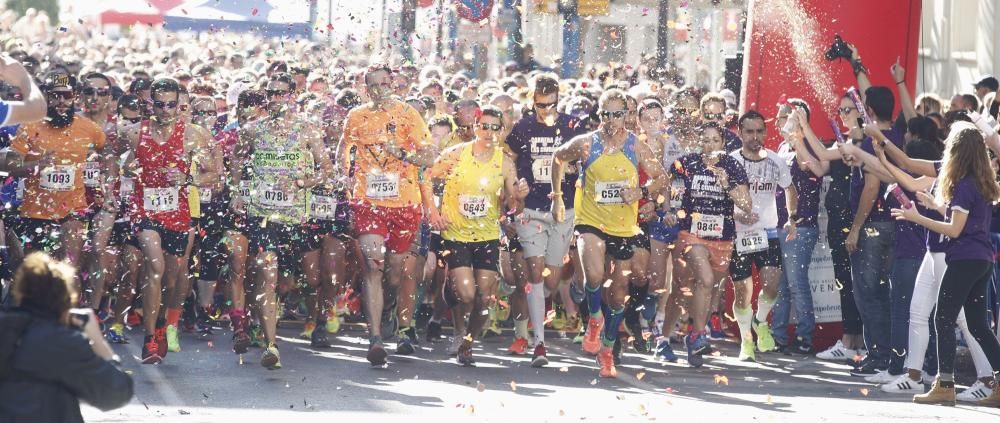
point(81, 314)
point(838, 50)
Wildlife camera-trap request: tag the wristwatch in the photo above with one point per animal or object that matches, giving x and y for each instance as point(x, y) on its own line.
point(645, 191)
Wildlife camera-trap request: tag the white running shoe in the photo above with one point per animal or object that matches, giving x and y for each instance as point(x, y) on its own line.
point(881, 377)
point(902, 384)
point(978, 391)
point(837, 353)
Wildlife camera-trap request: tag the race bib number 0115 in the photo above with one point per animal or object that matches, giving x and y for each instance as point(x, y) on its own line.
point(751, 241)
point(707, 225)
point(473, 206)
point(383, 186)
point(58, 178)
point(160, 200)
point(541, 169)
point(610, 192)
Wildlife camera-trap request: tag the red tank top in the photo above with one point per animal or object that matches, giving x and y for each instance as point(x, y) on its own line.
point(153, 197)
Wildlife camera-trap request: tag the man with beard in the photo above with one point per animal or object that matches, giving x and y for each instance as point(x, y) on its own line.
point(393, 144)
point(50, 154)
point(164, 148)
point(286, 158)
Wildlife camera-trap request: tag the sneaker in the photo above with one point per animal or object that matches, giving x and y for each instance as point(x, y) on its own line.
point(319, 338)
point(307, 330)
point(332, 324)
point(464, 353)
point(160, 335)
point(256, 335)
point(592, 338)
point(204, 327)
point(116, 334)
point(377, 355)
point(405, 345)
point(173, 343)
point(606, 361)
point(938, 395)
point(747, 350)
point(902, 384)
point(271, 360)
point(539, 359)
point(697, 346)
point(578, 339)
point(664, 351)
point(800, 348)
point(765, 342)
point(993, 400)
point(456, 344)
point(837, 353)
point(133, 318)
point(241, 341)
point(518, 347)
point(433, 331)
point(881, 377)
point(559, 321)
point(150, 351)
point(977, 392)
point(412, 333)
point(868, 369)
point(715, 327)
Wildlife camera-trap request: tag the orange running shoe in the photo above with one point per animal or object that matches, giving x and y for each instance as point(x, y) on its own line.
point(606, 360)
point(592, 339)
point(519, 347)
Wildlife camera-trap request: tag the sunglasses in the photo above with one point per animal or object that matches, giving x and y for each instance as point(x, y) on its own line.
point(490, 126)
point(546, 106)
point(133, 120)
point(100, 92)
point(679, 111)
point(617, 114)
point(713, 116)
point(846, 110)
point(464, 127)
point(204, 113)
point(164, 104)
point(62, 95)
point(277, 93)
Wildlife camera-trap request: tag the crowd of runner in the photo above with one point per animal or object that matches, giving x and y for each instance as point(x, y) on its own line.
point(228, 183)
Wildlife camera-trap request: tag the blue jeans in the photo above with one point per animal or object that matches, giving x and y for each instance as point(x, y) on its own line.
point(904, 277)
point(796, 256)
point(870, 266)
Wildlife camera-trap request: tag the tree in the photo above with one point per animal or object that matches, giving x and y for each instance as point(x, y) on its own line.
point(50, 7)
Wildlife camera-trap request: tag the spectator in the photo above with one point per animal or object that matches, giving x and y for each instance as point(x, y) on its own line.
point(50, 352)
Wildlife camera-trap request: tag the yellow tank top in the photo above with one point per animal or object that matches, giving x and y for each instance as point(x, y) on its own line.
point(598, 201)
point(471, 200)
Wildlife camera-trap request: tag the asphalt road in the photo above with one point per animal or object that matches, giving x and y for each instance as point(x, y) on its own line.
point(206, 382)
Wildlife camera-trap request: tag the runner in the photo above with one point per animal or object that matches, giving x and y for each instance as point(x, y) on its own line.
point(757, 234)
point(392, 144)
point(283, 152)
point(545, 242)
point(32, 107)
point(164, 147)
point(606, 223)
point(475, 175)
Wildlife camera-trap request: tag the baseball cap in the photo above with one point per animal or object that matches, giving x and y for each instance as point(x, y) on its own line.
point(58, 81)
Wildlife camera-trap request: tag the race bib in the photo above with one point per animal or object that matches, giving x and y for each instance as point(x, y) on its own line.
point(204, 195)
point(91, 174)
point(542, 170)
point(323, 207)
point(707, 225)
point(125, 188)
point(58, 178)
point(19, 193)
point(677, 189)
point(274, 196)
point(245, 191)
point(751, 241)
point(160, 200)
point(473, 206)
point(610, 192)
point(383, 186)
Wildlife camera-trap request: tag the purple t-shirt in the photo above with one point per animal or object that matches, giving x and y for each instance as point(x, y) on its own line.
point(911, 238)
point(808, 187)
point(974, 241)
point(703, 195)
point(880, 211)
point(733, 141)
point(534, 144)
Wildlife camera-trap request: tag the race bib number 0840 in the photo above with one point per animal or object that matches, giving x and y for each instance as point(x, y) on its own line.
point(706, 225)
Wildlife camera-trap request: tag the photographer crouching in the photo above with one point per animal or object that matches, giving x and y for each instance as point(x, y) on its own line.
point(51, 356)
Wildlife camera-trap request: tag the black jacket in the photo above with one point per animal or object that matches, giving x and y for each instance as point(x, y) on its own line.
point(50, 368)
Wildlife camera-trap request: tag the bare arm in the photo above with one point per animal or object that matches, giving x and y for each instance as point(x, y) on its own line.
point(869, 195)
point(899, 76)
point(810, 162)
point(740, 195)
point(654, 169)
point(514, 200)
point(920, 167)
point(575, 149)
point(822, 153)
point(951, 229)
point(33, 107)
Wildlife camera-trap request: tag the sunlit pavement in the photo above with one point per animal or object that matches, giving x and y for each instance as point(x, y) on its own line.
point(207, 383)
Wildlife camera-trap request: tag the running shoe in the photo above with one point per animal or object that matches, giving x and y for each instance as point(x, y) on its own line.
point(518, 347)
point(173, 343)
point(867, 369)
point(697, 346)
point(559, 321)
point(271, 359)
point(715, 332)
point(307, 330)
point(116, 334)
point(837, 353)
point(539, 359)
point(160, 335)
point(241, 341)
point(332, 323)
point(133, 318)
point(902, 384)
point(993, 400)
point(881, 377)
point(765, 342)
point(977, 392)
point(747, 350)
point(150, 351)
point(664, 351)
point(377, 355)
point(319, 338)
point(801, 348)
point(456, 344)
point(606, 361)
point(433, 331)
point(633, 326)
point(493, 327)
point(423, 314)
point(592, 339)
point(256, 335)
point(204, 325)
point(464, 353)
point(405, 345)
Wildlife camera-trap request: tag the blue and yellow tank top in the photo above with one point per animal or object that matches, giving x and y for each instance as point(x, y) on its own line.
point(598, 200)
